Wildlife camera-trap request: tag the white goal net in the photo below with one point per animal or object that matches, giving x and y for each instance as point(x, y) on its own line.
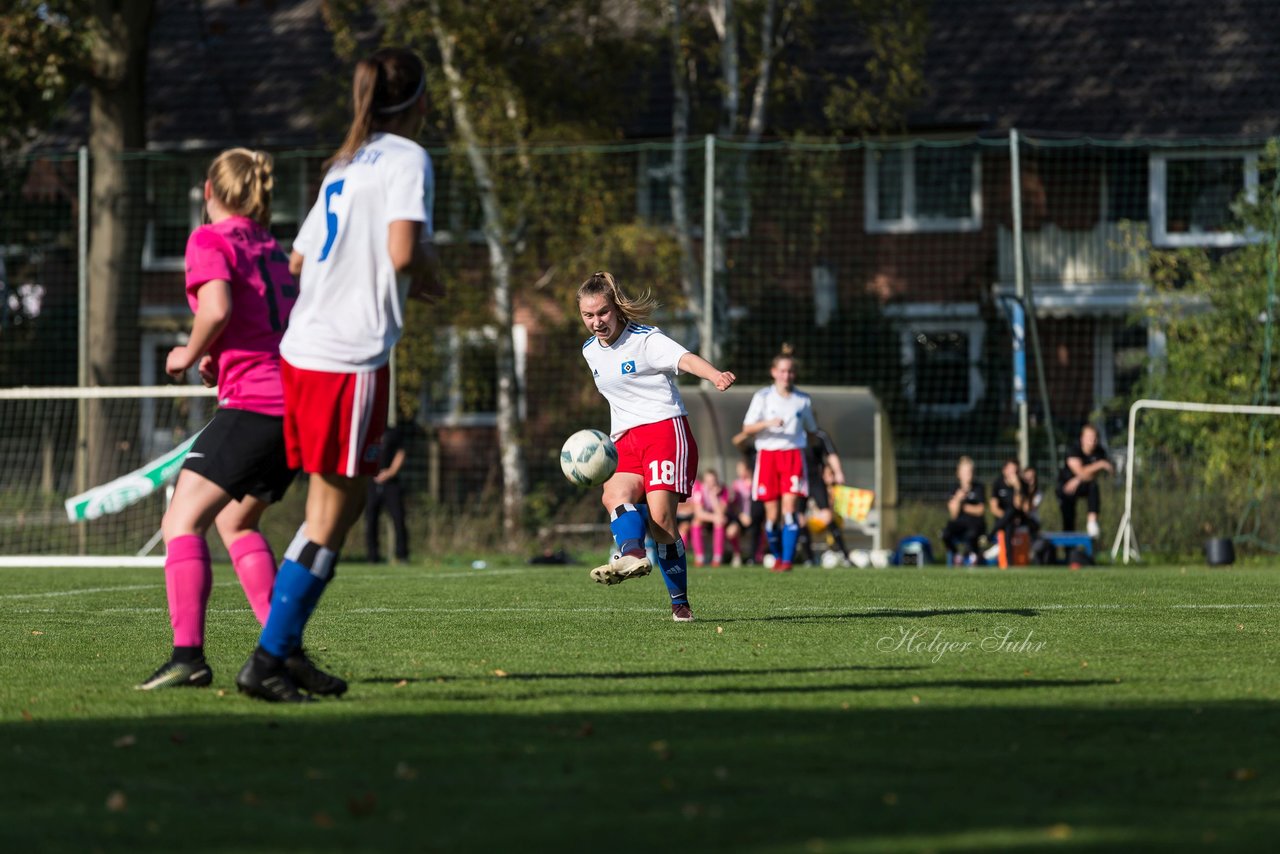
point(1196, 471)
point(113, 449)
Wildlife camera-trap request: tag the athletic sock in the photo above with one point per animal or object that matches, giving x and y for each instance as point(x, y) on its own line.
point(773, 534)
point(188, 580)
point(833, 531)
point(790, 533)
point(675, 573)
point(188, 654)
point(306, 570)
point(256, 569)
point(628, 526)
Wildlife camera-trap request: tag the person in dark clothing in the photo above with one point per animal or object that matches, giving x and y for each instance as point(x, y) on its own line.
point(820, 453)
point(385, 492)
point(1086, 460)
point(967, 508)
point(1010, 502)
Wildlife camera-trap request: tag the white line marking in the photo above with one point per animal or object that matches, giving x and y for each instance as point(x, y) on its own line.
point(81, 591)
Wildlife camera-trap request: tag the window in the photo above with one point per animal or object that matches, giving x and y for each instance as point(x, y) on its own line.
point(653, 189)
point(458, 215)
point(175, 197)
point(923, 189)
point(941, 347)
point(1126, 193)
point(1191, 196)
point(462, 388)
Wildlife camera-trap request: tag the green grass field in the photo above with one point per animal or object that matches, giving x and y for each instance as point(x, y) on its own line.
point(518, 708)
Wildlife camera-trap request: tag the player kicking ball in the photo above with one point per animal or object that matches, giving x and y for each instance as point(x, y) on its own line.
point(635, 368)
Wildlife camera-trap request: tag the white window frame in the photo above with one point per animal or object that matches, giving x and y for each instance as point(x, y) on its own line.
point(196, 171)
point(651, 176)
point(1158, 198)
point(911, 223)
point(453, 416)
point(914, 318)
point(151, 262)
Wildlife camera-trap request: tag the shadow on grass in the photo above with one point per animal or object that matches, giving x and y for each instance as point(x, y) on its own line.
point(337, 777)
point(687, 689)
point(865, 615)
point(652, 674)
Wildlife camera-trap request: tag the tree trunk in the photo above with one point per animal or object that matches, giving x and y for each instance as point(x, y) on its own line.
point(497, 238)
point(764, 73)
point(117, 123)
point(689, 279)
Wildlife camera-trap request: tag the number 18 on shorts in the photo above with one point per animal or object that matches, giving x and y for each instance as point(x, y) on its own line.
point(663, 454)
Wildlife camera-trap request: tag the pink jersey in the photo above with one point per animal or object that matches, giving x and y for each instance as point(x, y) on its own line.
point(701, 495)
point(263, 292)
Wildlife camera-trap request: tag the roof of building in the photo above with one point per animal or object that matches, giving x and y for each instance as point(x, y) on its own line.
point(1103, 67)
point(253, 71)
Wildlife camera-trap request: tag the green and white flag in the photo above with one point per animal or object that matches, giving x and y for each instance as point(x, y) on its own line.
point(133, 487)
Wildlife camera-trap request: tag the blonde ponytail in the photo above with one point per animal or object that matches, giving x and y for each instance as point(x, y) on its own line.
point(602, 283)
point(242, 181)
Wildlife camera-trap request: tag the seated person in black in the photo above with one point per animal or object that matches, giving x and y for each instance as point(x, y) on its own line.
point(967, 509)
point(822, 463)
point(1086, 459)
point(1010, 501)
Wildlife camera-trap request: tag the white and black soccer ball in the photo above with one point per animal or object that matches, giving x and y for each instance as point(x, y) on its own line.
point(588, 458)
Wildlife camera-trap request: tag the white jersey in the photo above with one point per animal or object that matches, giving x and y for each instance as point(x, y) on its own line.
point(637, 375)
point(350, 311)
point(796, 412)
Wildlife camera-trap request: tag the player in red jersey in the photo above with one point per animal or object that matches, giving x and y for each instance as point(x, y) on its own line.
point(635, 366)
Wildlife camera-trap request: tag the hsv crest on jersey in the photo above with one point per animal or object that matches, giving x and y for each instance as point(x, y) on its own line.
point(628, 367)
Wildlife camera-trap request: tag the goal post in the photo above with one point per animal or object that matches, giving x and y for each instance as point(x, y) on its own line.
point(1126, 541)
point(46, 438)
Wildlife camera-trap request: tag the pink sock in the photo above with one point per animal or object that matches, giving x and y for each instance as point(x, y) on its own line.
point(188, 577)
point(256, 569)
point(699, 542)
point(717, 544)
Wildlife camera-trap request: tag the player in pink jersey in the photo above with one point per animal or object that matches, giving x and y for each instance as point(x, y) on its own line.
point(635, 366)
point(240, 288)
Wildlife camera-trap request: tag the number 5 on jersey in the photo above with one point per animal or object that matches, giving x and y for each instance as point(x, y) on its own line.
point(330, 218)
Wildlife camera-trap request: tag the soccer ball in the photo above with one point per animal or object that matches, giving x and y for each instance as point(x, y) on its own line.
point(588, 458)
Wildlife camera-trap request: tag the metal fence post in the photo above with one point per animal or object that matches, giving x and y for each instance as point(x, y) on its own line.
point(708, 246)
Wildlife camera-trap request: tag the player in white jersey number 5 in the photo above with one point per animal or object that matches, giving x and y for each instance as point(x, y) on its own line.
point(635, 368)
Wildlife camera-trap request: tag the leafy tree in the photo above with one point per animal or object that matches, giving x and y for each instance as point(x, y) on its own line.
point(1217, 312)
point(44, 52)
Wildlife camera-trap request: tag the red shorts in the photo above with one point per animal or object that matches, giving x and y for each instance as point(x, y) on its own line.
point(780, 473)
point(663, 454)
point(333, 423)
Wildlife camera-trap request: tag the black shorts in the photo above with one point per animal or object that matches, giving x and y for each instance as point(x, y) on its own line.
point(243, 452)
point(818, 492)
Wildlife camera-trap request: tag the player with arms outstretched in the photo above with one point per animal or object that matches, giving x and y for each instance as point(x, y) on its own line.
point(240, 288)
point(364, 241)
point(780, 419)
point(635, 366)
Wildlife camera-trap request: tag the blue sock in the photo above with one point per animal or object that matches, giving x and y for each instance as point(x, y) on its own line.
point(305, 571)
point(790, 534)
point(773, 534)
point(628, 526)
point(675, 571)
